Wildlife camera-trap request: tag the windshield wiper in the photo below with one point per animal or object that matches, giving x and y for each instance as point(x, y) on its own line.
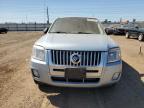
point(84, 33)
point(71, 32)
point(58, 32)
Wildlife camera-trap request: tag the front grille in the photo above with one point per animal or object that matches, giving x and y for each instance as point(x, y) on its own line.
point(88, 58)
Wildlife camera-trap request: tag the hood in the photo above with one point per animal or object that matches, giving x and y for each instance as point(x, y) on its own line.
point(90, 42)
point(111, 43)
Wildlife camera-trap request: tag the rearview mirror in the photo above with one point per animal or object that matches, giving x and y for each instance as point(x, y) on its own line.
point(45, 30)
point(137, 27)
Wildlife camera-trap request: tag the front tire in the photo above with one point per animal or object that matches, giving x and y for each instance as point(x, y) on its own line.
point(127, 35)
point(141, 37)
point(109, 86)
point(38, 83)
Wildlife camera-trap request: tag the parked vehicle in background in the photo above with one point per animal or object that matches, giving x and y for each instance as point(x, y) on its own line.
point(135, 32)
point(109, 30)
point(120, 29)
point(3, 30)
point(76, 52)
point(124, 28)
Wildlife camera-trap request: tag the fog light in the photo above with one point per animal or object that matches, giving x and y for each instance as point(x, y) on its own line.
point(115, 76)
point(35, 73)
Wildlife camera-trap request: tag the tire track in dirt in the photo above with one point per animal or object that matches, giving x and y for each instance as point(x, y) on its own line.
point(16, 85)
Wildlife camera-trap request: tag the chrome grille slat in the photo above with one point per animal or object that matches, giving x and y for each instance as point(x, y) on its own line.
point(88, 58)
point(63, 57)
point(53, 57)
point(84, 59)
point(67, 57)
point(94, 59)
point(91, 59)
point(98, 58)
point(81, 57)
point(57, 57)
point(60, 57)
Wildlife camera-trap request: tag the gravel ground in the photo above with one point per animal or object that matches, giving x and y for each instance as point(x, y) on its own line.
point(17, 89)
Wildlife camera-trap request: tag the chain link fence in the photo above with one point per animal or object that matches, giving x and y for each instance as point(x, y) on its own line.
point(24, 26)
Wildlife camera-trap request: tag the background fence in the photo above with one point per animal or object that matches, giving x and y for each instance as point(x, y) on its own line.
point(24, 26)
point(42, 26)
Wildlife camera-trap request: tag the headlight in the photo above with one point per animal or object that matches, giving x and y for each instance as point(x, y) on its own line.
point(39, 53)
point(114, 55)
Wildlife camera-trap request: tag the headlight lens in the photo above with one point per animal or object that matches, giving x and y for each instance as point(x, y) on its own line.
point(39, 53)
point(114, 55)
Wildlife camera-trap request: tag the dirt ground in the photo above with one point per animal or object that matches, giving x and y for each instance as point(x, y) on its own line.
point(17, 89)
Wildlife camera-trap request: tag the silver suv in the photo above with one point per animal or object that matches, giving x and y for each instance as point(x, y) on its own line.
point(76, 52)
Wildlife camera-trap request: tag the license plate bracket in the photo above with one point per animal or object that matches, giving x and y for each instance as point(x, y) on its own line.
point(75, 73)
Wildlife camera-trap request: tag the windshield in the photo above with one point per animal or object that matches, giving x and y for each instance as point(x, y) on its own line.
point(76, 26)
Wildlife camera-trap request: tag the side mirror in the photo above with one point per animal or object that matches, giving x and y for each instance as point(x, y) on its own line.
point(137, 27)
point(45, 30)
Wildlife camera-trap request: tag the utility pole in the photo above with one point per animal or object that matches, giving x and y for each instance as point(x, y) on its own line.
point(140, 49)
point(26, 19)
point(120, 20)
point(47, 16)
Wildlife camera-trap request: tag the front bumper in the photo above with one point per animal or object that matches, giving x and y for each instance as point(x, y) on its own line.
point(104, 75)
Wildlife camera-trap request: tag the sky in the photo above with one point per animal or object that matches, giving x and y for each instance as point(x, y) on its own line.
point(35, 10)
